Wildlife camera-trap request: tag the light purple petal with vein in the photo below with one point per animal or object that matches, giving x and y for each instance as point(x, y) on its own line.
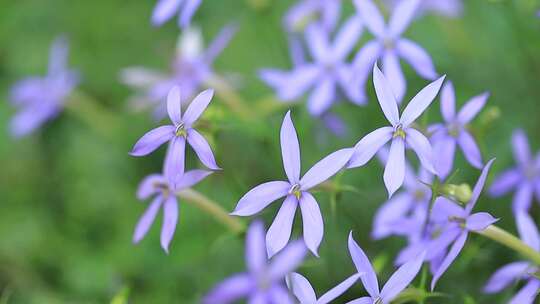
point(363, 65)
point(174, 105)
point(421, 146)
point(197, 107)
point(290, 149)
point(385, 96)
point(152, 140)
point(420, 102)
point(296, 82)
point(372, 17)
point(191, 178)
point(394, 171)
point(479, 221)
point(362, 300)
point(147, 187)
point(301, 288)
point(170, 218)
point(279, 233)
point(479, 186)
point(522, 198)
point(505, 182)
point(443, 208)
point(520, 146)
point(417, 57)
point(323, 95)
point(402, 15)
point(471, 108)
point(325, 168)
point(448, 101)
point(392, 210)
point(347, 37)
point(366, 148)
point(287, 260)
point(527, 294)
point(187, 12)
point(394, 74)
point(470, 149)
point(230, 290)
point(313, 225)
point(255, 248)
point(363, 265)
point(444, 148)
point(452, 255)
point(527, 230)
point(439, 245)
point(506, 275)
point(164, 10)
point(202, 148)
point(401, 278)
point(146, 220)
point(174, 159)
point(260, 197)
point(337, 291)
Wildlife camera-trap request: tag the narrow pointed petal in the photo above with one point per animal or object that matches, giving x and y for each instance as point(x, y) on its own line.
point(444, 208)
point(371, 16)
point(291, 85)
point(337, 291)
point(322, 96)
point(479, 221)
point(300, 288)
point(346, 80)
point(363, 265)
point(527, 294)
point(505, 182)
point(362, 300)
point(506, 275)
point(202, 149)
point(164, 10)
point(146, 220)
point(421, 146)
point(392, 210)
point(170, 218)
point(362, 66)
point(147, 187)
point(479, 186)
point(522, 198)
point(230, 290)
point(152, 140)
point(278, 294)
point(174, 160)
point(58, 56)
point(448, 101)
point(191, 178)
point(313, 224)
point(417, 57)
point(385, 96)
point(471, 108)
point(347, 37)
point(437, 247)
point(401, 278)
point(290, 149)
point(174, 105)
point(197, 107)
point(366, 148)
point(527, 230)
point(470, 149)
point(452, 255)
point(255, 248)
point(444, 148)
point(520, 146)
point(260, 197)
point(325, 168)
point(317, 41)
point(394, 74)
point(421, 101)
point(394, 171)
point(287, 260)
point(279, 233)
point(220, 42)
point(402, 16)
point(187, 12)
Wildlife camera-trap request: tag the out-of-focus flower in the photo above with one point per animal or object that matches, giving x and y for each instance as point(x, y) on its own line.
point(191, 71)
point(304, 12)
point(524, 178)
point(454, 131)
point(390, 46)
point(263, 281)
point(458, 222)
point(393, 287)
point(522, 270)
point(178, 133)
point(40, 99)
point(447, 8)
point(303, 291)
point(400, 133)
point(164, 193)
point(166, 9)
point(295, 191)
point(325, 74)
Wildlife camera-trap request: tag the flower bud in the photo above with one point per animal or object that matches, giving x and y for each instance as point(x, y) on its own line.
point(460, 193)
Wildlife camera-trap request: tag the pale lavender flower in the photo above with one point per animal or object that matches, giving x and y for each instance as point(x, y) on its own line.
point(191, 71)
point(522, 270)
point(400, 133)
point(395, 284)
point(390, 46)
point(164, 193)
point(454, 131)
point(303, 291)
point(304, 12)
point(40, 99)
point(458, 222)
point(524, 178)
point(295, 191)
point(263, 281)
point(166, 9)
point(447, 8)
point(325, 74)
point(177, 134)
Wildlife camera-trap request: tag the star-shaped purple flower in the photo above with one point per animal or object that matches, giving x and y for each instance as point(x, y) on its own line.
point(295, 191)
point(164, 193)
point(325, 74)
point(524, 178)
point(400, 133)
point(40, 99)
point(177, 134)
point(454, 131)
point(523, 270)
point(263, 281)
point(304, 12)
point(166, 9)
point(390, 46)
point(303, 291)
point(393, 287)
point(458, 222)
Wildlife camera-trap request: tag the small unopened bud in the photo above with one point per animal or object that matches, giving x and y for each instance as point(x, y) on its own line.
point(460, 193)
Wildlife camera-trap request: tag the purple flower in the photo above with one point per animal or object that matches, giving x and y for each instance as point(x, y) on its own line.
point(393, 287)
point(303, 291)
point(390, 46)
point(328, 71)
point(454, 131)
point(400, 133)
point(447, 8)
point(523, 270)
point(164, 193)
point(191, 70)
point(524, 178)
point(40, 99)
point(458, 222)
point(295, 191)
point(166, 9)
point(305, 12)
point(263, 281)
point(178, 133)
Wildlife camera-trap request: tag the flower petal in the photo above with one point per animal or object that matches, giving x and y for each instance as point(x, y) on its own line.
point(527, 230)
point(395, 208)
point(325, 168)
point(394, 171)
point(385, 96)
point(402, 278)
point(174, 105)
point(164, 10)
point(421, 101)
point(369, 145)
point(260, 197)
point(452, 255)
point(448, 101)
point(300, 288)
point(362, 65)
point(479, 221)
point(471, 108)
point(170, 218)
point(444, 148)
point(220, 42)
point(394, 74)
point(437, 247)
point(362, 300)
point(146, 220)
point(147, 187)
point(202, 149)
point(417, 57)
point(470, 149)
point(520, 146)
point(279, 233)
point(197, 107)
point(287, 260)
point(255, 248)
point(505, 182)
point(337, 291)
point(278, 294)
point(402, 15)
point(371, 16)
point(313, 224)
point(522, 198)
point(187, 12)
point(505, 276)
point(291, 85)
point(527, 294)
point(191, 178)
point(479, 186)
point(290, 149)
point(347, 37)
point(421, 146)
point(152, 140)
point(364, 267)
point(230, 290)
point(317, 41)
point(322, 96)
point(174, 160)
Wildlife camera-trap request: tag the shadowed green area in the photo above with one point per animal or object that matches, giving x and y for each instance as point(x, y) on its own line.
point(67, 192)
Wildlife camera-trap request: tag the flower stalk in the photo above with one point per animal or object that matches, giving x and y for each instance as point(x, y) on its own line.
point(504, 238)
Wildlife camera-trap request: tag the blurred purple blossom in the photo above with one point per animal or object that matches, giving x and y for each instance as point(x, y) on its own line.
point(524, 178)
point(263, 281)
point(40, 99)
point(453, 131)
point(400, 133)
point(522, 270)
point(177, 134)
point(390, 46)
point(166, 9)
point(395, 284)
point(164, 193)
point(304, 12)
point(295, 191)
point(191, 71)
point(303, 291)
point(447, 8)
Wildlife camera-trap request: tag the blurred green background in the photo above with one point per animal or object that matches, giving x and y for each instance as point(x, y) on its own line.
point(67, 192)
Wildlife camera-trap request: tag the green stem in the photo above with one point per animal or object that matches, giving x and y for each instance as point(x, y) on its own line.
point(207, 205)
point(502, 237)
point(229, 96)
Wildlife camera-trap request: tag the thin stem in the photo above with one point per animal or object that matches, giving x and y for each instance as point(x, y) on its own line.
point(202, 202)
point(229, 96)
point(502, 237)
